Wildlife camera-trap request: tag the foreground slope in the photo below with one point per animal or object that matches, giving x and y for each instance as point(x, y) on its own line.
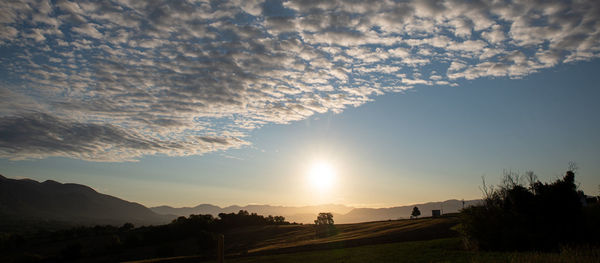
point(425, 251)
point(258, 241)
point(420, 240)
point(284, 239)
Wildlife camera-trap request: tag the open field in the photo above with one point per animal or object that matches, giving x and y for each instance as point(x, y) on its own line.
point(422, 240)
point(293, 238)
point(437, 250)
point(272, 240)
point(418, 240)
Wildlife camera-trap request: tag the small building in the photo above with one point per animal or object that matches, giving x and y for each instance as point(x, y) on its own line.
point(436, 213)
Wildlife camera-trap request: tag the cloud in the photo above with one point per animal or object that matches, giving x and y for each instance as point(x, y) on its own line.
point(118, 80)
point(37, 135)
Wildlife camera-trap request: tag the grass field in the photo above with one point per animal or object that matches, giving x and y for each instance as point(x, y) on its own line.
point(422, 240)
point(294, 238)
point(438, 250)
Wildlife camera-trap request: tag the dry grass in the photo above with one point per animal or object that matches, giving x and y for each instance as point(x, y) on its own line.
point(419, 240)
point(364, 233)
point(438, 250)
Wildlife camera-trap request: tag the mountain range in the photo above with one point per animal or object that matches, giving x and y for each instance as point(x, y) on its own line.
point(306, 214)
point(26, 199)
point(74, 203)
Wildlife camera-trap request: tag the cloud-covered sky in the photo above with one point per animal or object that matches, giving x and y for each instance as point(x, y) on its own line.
point(118, 80)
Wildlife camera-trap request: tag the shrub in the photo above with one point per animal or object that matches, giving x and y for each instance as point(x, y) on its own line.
point(540, 217)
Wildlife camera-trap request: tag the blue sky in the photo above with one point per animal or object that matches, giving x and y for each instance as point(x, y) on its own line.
point(231, 102)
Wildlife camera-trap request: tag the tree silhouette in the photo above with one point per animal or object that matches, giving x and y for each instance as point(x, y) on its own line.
point(542, 216)
point(324, 219)
point(324, 225)
point(415, 213)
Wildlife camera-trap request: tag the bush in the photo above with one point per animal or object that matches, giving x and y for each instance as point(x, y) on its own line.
point(540, 217)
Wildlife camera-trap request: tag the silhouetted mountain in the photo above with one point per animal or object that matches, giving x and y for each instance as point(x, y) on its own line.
point(378, 214)
point(27, 199)
point(307, 214)
point(186, 211)
point(74, 203)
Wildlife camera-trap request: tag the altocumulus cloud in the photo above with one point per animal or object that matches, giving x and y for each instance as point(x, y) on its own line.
point(117, 80)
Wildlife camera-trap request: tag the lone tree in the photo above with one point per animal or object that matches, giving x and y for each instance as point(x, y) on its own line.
point(324, 219)
point(324, 225)
point(415, 213)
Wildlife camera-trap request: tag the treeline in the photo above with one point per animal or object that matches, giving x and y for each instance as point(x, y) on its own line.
point(192, 235)
point(230, 220)
point(526, 214)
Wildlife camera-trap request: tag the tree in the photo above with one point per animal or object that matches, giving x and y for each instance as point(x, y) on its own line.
point(543, 216)
point(324, 219)
point(415, 213)
point(324, 225)
point(279, 220)
point(127, 226)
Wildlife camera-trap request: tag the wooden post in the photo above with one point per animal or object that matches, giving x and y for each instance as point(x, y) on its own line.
point(221, 248)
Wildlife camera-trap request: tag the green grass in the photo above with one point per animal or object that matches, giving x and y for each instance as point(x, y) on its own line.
point(439, 250)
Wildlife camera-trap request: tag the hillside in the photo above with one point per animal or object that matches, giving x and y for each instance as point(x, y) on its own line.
point(31, 200)
point(306, 214)
point(377, 214)
point(285, 239)
point(300, 214)
point(27, 199)
point(248, 242)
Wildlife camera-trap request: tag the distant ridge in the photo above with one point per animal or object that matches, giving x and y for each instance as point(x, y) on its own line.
point(300, 214)
point(378, 214)
point(74, 203)
point(26, 199)
point(306, 214)
point(185, 211)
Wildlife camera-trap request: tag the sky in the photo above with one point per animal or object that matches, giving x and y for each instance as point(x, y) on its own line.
point(235, 102)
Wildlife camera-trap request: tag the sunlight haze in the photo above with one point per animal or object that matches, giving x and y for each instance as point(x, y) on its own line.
point(299, 131)
point(363, 103)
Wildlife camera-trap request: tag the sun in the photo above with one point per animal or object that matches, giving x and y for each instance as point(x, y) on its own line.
point(321, 175)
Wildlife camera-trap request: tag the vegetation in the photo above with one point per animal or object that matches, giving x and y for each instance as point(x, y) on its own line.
point(418, 240)
point(436, 250)
point(415, 212)
point(183, 236)
point(516, 222)
point(324, 225)
point(539, 216)
point(324, 219)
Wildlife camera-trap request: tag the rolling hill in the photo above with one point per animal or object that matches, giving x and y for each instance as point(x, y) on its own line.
point(302, 214)
point(306, 214)
point(75, 203)
point(26, 199)
point(378, 214)
point(257, 241)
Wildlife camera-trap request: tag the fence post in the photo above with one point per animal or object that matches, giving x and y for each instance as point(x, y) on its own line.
point(221, 248)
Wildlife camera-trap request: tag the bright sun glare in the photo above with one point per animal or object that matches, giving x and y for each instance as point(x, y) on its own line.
point(321, 176)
